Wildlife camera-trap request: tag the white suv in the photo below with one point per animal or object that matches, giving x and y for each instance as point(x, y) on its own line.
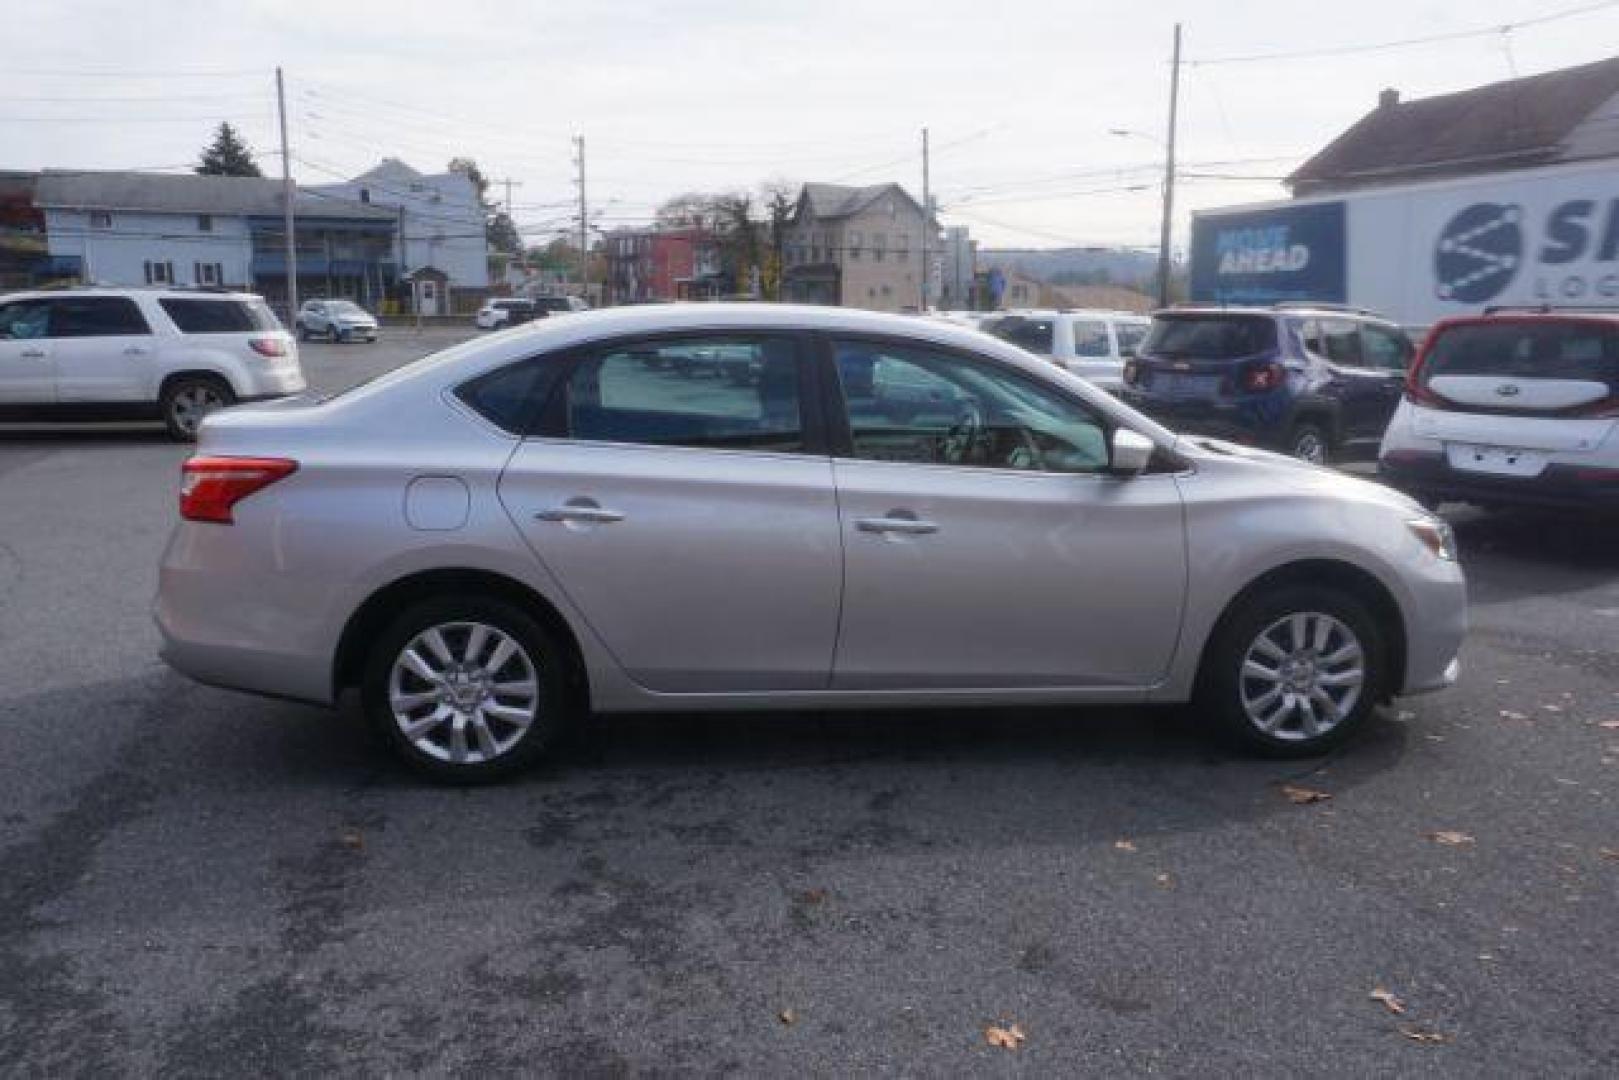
point(122, 354)
point(1092, 344)
point(1511, 408)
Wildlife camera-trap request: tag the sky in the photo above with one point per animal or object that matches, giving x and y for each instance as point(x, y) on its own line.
point(1021, 99)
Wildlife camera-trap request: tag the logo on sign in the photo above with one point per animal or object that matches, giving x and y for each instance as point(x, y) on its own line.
point(1479, 252)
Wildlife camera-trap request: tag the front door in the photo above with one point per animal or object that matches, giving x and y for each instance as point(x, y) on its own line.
point(27, 371)
point(680, 499)
point(103, 348)
point(986, 545)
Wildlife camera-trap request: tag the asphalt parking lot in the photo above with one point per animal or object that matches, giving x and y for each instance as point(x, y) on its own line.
point(196, 882)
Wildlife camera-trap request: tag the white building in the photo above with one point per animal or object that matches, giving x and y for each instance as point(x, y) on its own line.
point(442, 227)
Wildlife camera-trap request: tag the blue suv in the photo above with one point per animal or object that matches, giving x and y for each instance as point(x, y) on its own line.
point(1307, 381)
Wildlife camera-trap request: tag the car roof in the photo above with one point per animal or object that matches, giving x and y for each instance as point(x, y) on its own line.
point(1260, 310)
point(162, 292)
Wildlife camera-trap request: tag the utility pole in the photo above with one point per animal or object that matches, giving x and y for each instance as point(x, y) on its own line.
point(927, 224)
point(1166, 232)
point(286, 200)
point(509, 184)
point(584, 220)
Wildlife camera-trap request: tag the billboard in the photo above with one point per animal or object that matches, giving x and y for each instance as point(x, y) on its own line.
point(1269, 254)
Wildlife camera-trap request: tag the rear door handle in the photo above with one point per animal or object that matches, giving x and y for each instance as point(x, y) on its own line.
point(904, 526)
point(34, 354)
point(592, 515)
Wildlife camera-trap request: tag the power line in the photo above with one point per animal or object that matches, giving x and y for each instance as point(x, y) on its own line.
point(1429, 39)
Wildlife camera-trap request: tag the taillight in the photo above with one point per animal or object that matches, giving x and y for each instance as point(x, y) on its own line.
point(1263, 377)
point(268, 346)
point(211, 486)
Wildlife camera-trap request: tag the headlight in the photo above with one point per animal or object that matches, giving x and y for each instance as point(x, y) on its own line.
point(1436, 535)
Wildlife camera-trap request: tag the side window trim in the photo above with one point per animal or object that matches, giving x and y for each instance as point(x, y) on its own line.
point(841, 444)
point(552, 420)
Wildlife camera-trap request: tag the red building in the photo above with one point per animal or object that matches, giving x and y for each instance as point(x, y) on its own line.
point(645, 265)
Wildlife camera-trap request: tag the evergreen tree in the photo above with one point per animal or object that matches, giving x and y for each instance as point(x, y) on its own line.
point(227, 155)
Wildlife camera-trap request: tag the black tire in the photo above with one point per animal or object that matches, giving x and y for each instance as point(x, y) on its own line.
point(303, 332)
point(1225, 693)
point(184, 401)
point(553, 705)
point(1310, 441)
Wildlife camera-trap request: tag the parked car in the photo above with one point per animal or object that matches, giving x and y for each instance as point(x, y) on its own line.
point(335, 320)
point(522, 530)
point(503, 311)
point(134, 354)
point(1092, 344)
point(1309, 381)
point(1511, 408)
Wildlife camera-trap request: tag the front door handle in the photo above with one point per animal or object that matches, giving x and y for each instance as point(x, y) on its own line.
point(34, 354)
point(589, 515)
point(134, 350)
point(903, 526)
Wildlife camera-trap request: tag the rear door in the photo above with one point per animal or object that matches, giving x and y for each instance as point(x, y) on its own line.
point(986, 545)
point(1365, 395)
point(1094, 357)
point(27, 371)
point(690, 517)
point(103, 349)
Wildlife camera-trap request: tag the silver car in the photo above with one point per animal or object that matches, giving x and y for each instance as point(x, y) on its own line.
point(579, 516)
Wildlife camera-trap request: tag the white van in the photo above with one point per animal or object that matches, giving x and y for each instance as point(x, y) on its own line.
point(1092, 344)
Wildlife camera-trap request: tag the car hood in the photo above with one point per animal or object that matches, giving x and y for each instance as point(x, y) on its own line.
point(1290, 475)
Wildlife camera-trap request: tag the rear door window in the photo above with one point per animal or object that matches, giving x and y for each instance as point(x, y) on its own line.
point(1210, 337)
point(1090, 338)
point(219, 316)
point(1033, 334)
point(96, 316)
point(1383, 348)
point(1130, 337)
point(1584, 351)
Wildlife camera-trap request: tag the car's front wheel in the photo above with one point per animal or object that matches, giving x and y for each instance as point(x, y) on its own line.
point(185, 401)
point(1294, 671)
point(466, 689)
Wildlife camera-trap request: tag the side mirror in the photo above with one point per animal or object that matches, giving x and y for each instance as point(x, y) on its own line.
point(1131, 452)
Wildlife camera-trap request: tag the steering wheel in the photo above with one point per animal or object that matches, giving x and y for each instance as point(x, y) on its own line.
point(963, 435)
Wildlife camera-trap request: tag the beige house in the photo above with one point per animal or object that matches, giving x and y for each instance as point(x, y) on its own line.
point(855, 247)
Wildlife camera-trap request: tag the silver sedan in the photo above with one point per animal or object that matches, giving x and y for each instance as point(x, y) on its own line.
point(757, 507)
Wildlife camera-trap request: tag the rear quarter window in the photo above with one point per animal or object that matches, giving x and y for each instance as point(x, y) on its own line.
point(1035, 335)
point(511, 397)
point(219, 316)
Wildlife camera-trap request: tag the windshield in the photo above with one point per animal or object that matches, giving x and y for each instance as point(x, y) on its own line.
point(1586, 351)
point(1209, 337)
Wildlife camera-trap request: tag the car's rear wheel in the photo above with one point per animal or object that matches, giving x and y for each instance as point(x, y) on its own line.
point(1294, 671)
point(1309, 441)
point(185, 401)
point(466, 689)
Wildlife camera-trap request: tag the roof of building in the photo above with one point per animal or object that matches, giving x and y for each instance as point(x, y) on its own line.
point(189, 193)
point(1519, 121)
point(837, 200)
point(1103, 297)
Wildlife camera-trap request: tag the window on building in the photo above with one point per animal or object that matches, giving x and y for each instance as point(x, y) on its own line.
point(100, 219)
point(365, 195)
point(205, 223)
point(159, 272)
point(854, 245)
point(815, 253)
point(902, 246)
point(211, 273)
point(879, 246)
point(720, 393)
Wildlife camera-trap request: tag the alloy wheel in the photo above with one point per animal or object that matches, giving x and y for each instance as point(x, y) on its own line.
point(1308, 445)
point(463, 692)
point(192, 403)
point(1301, 676)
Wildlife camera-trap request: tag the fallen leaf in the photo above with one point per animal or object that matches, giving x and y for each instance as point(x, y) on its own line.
point(813, 896)
point(1303, 796)
point(1552, 708)
point(1450, 837)
point(787, 1016)
point(1611, 725)
point(1165, 880)
point(1609, 853)
point(1423, 1034)
point(1124, 845)
point(1390, 1002)
point(1508, 714)
point(1007, 1038)
point(352, 839)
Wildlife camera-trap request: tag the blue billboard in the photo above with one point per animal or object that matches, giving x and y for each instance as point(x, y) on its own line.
point(1262, 256)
